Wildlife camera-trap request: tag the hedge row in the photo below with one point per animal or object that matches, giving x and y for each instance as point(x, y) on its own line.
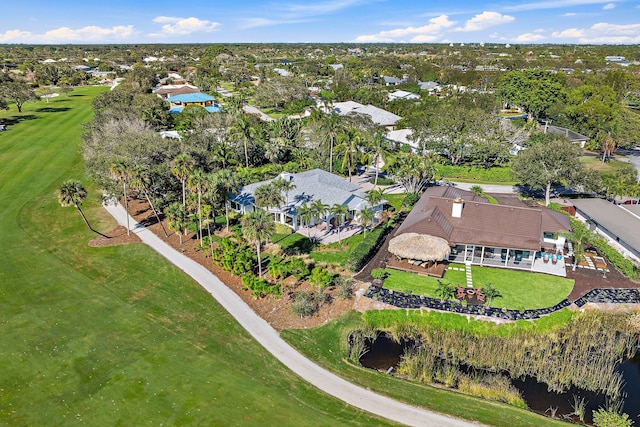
point(474, 173)
point(369, 246)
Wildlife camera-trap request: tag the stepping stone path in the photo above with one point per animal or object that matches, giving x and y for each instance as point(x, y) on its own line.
point(467, 269)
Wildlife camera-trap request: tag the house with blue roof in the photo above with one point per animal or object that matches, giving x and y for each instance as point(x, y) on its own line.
point(309, 186)
point(179, 102)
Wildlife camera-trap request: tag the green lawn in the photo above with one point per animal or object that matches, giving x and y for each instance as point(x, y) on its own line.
point(395, 200)
point(327, 346)
point(117, 335)
point(520, 289)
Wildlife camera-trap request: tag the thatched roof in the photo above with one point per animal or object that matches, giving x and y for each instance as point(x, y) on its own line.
point(421, 247)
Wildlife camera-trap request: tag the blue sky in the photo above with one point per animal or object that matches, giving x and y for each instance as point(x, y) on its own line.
point(244, 21)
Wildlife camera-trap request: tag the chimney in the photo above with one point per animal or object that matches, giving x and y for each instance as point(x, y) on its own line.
point(456, 208)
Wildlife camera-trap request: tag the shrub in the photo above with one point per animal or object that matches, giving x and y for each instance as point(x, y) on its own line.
point(320, 277)
point(306, 304)
point(369, 245)
point(379, 273)
point(382, 180)
point(344, 287)
point(411, 199)
point(237, 258)
point(259, 287)
point(610, 418)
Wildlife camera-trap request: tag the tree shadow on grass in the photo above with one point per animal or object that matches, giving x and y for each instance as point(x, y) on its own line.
point(52, 110)
point(14, 120)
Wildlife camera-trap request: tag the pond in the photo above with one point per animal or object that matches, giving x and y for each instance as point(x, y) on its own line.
point(385, 354)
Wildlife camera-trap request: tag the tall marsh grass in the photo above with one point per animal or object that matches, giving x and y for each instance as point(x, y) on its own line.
point(584, 351)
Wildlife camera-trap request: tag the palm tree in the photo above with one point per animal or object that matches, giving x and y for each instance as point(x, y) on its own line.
point(305, 214)
point(181, 168)
point(72, 193)
point(366, 216)
point(197, 182)
point(374, 197)
point(379, 150)
point(284, 186)
point(120, 171)
point(579, 237)
point(140, 181)
point(490, 293)
point(329, 126)
point(349, 144)
point(319, 210)
point(243, 130)
point(339, 211)
point(268, 196)
point(176, 214)
point(228, 182)
point(258, 227)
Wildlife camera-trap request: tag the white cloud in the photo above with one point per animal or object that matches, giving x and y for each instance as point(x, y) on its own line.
point(572, 33)
point(486, 20)
point(609, 6)
point(321, 8)
point(174, 26)
point(263, 22)
point(89, 33)
point(529, 38)
point(554, 4)
point(430, 31)
point(603, 33)
point(570, 14)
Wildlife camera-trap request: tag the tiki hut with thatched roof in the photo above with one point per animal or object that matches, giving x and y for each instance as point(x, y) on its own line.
point(422, 247)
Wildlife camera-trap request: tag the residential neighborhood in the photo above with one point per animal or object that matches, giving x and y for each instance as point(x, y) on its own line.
point(456, 222)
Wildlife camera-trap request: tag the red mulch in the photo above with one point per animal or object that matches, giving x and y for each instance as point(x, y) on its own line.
point(587, 280)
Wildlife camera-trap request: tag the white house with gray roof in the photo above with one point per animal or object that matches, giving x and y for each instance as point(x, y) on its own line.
point(378, 115)
point(309, 186)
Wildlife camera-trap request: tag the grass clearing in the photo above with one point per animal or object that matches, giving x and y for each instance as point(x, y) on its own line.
point(117, 335)
point(520, 290)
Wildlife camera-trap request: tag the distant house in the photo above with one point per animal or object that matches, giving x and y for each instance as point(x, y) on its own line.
point(378, 115)
point(431, 87)
point(574, 137)
point(336, 67)
point(487, 234)
point(402, 137)
point(392, 81)
point(282, 72)
point(310, 186)
point(402, 94)
point(179, 102)
point(167, 91)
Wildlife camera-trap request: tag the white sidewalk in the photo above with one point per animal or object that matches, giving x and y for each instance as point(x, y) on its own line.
point(269, 338)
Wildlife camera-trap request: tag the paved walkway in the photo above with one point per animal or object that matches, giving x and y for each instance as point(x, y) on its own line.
point(268, 337)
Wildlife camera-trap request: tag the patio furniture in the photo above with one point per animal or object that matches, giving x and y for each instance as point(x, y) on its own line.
point(481, 297)
point(460, 292)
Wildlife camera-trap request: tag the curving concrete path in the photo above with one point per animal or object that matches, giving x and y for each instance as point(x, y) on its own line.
point(269, 338)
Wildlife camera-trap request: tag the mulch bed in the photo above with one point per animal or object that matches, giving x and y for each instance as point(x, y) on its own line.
point(587, 280)
point(275, 311)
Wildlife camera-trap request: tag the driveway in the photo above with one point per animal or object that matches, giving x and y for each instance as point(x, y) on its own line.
point(269, 338)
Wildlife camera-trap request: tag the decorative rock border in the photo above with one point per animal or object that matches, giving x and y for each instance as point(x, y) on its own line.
point(610, 296)
point(402, 300)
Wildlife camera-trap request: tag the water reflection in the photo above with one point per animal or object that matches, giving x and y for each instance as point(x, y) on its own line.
point(384, 353)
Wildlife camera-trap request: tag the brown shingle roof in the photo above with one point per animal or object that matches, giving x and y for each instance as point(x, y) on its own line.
point(481, 223)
